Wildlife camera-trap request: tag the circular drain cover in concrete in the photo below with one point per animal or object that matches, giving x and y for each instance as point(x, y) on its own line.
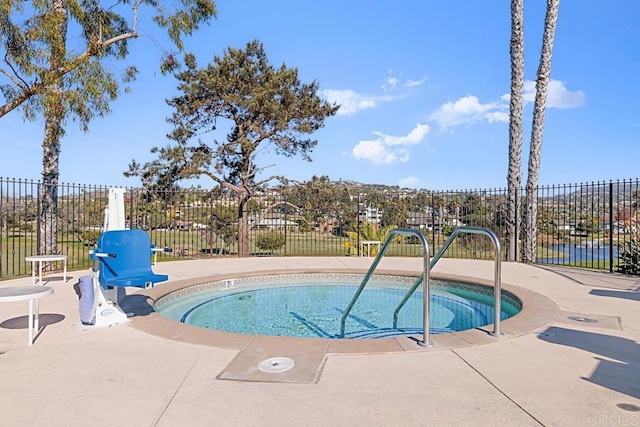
point(276, 365)
point(582, 319)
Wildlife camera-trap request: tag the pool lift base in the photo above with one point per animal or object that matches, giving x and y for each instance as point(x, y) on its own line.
point(103, 310)
point(107, 310)
point(427, 344)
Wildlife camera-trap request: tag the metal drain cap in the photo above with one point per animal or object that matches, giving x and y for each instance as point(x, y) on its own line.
point(582, 319)
point(276, 365)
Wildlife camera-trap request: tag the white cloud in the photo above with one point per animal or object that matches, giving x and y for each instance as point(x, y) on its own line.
point(498, 116)
point(390, 83)
point(350, 102)
point(378, 154)
point(558, 96)
point(410, 182)
point(469, 110)
point(413, 83)
point(387, 149)
point(414, 137)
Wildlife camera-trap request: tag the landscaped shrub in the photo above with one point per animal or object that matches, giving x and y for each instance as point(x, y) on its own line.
point(629, 255)
point(27, 226)
point(270, 241)
point(90, 237)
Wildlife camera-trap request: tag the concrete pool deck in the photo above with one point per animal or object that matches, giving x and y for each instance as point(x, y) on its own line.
point(556, 372)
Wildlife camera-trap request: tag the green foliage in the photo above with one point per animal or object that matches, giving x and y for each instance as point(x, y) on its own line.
point(224, 223)
point(265, 105)
point(322, 202)
point(55, 65)
point(27, 226)
point(35, 39)
point(414, 240)
point(368, 231)
point(629, 255)
point(476, 246)
point(394, 212)
point(90, 237)
point(270, 241)
point(448, 229)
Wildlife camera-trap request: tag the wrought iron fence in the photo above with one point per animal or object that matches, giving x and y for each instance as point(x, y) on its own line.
point(586, 225)
point(579, 224)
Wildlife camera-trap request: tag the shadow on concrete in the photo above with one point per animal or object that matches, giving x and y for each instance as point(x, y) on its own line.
point(22, 322)
point(138, 305)
point(631, 295)
point(620, 374)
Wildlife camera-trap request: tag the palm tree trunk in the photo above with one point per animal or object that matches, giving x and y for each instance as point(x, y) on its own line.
point(516, 48)
point(544, 71)
point(53, 115)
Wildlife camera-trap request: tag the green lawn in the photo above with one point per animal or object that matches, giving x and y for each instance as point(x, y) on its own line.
point(193, 244)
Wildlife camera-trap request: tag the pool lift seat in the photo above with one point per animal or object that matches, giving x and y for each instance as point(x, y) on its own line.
point(122, 259)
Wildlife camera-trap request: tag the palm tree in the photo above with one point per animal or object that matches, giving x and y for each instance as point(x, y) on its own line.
point(369, 232)
point(455, 205)
point(439, 202)
point(544, 70)
point(516, 48)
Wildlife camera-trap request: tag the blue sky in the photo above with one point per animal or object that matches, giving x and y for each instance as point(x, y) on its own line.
point(422, 85)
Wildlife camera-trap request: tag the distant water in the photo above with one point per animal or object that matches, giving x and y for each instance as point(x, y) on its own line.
point(579, 253)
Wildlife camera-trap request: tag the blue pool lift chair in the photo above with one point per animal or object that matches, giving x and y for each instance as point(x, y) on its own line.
point(123, 259)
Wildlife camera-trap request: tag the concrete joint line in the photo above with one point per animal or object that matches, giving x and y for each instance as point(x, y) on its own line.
point(497, 388)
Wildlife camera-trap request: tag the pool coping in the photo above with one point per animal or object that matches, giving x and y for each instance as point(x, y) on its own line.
point(309, 354)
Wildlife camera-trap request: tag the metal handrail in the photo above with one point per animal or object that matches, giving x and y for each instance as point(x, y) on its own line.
point(406, 231)
point(497, 292)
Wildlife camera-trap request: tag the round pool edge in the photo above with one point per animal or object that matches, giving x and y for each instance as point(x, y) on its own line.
point(537, 312)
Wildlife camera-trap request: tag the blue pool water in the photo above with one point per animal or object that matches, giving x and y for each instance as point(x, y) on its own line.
point(315, 309)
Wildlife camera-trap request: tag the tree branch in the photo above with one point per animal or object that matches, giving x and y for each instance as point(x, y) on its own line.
point(221, 181)
point(272, 207)
point(15, 78)
point(15, 102)
point(27, 91)
point(264, 181)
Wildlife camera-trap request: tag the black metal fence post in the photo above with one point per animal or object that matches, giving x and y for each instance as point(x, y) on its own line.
point(610, 227)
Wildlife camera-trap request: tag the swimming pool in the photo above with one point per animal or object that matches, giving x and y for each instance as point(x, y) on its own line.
point(311, 305)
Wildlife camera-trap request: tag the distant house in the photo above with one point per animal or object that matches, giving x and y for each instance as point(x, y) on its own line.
point(372, 215)
point(419, 221)
point(455, 222)
point(565, 226)
point(189, 225)
point(273, 221)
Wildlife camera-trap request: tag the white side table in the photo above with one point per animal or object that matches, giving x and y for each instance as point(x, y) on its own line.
point(45, 258)
point(31, 294)
point(155, 254)
point(369, 243)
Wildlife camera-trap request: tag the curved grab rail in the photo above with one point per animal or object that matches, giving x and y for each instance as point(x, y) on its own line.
point(497, 293)
point(406, 231)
